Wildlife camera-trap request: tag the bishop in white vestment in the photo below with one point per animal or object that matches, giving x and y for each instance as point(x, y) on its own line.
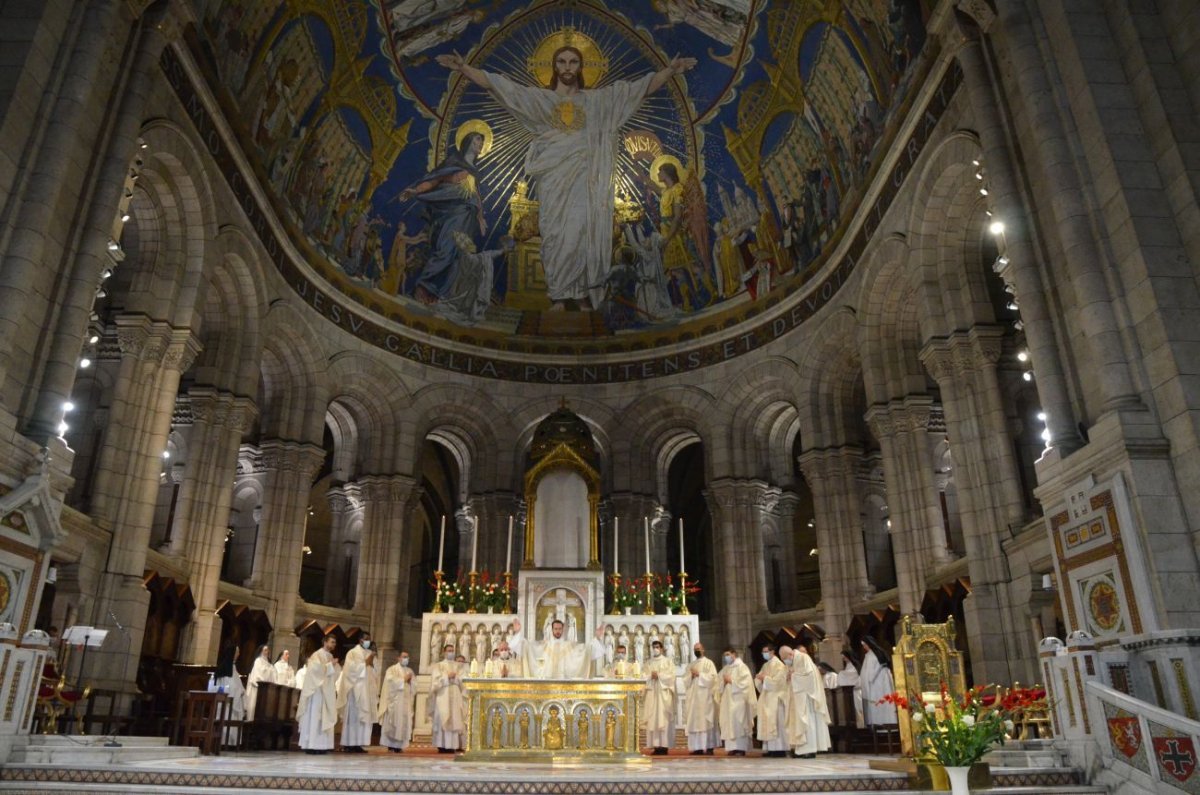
point(555, 657)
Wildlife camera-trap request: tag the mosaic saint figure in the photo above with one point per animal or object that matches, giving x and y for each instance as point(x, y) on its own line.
point(576, 130)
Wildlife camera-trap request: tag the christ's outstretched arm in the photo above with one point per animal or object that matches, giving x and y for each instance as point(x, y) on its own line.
point(677, 66)
point(456, 63)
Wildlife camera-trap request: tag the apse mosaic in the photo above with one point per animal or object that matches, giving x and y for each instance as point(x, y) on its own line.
point(564, 168)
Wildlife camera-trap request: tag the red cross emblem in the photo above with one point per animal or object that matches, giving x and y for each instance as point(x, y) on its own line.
point(1126, 735)
point(1176, 755)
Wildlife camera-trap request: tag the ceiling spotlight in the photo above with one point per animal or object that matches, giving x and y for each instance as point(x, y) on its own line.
point(124, 217)
point(92, 340)
point(1012, 306)
point(68, 406)
point(1041, 415)
point(102, 293)
point(113, 245)
point(812, 553)
point(142, 144)
point(63, 428)
point(85, 362)
point(1018, 325)
point(1003, 260)
point(166, 454)
point(996, 227)
point(988, 213)
point(983, 191)
point(1022, 356)
point(1027, 375)
point(105, 274)
point(1046, 436)
point(975, 162)
point(889, 522)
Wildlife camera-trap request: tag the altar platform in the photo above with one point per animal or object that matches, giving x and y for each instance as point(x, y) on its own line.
point(422, 770)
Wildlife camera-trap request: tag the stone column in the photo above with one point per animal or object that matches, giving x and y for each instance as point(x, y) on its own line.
point(153, 356)
point(219, 419)
point(158, 25)
point(289, 471)
point(841, 558)
point(733, 505)
point(344, 503)
point(918, 537)
point(493, 510)
point(388, 500)
point(989, 491)
point(786, 505)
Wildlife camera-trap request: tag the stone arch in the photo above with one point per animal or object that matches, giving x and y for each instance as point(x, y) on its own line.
point(453, 412)
point(233, 305)
point(372, 395)
point(889, 335)
point(831, 371)
point(173, 208)
point(648, 425)
point(294, 386)
point(762, 397)
point(946, 221)
point(599, 417)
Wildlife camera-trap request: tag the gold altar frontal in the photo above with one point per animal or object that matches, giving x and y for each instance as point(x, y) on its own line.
point(553, 720)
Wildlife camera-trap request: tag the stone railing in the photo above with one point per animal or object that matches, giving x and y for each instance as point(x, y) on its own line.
point(1142, 748)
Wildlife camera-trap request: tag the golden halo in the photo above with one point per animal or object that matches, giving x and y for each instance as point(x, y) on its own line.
point(595, 64)
point(662, 159)
point(474, 126)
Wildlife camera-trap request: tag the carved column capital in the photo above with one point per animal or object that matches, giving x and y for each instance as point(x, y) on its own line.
point(282, 455)
point(387, 488)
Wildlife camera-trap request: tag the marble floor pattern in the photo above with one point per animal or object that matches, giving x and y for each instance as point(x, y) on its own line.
point(426, 772)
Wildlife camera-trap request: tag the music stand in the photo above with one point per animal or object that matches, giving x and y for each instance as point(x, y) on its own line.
point(87, 637)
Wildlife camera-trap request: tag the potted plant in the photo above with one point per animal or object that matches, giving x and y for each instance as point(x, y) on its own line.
point(490, 594)
point(452, 595)
point(672, 596)
point(625, 594)
point(955, 732)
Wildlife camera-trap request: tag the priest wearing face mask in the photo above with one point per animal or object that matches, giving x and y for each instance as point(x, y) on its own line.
point(446, 706)
point(556, 657)
point(396, 706)
point(699, 705)
point(772, 684)
point(658, 705)
point(622, 667)
point(502, 665)
point(736, 702)
point(316, 712)
point(358, 695)
point(808, 716)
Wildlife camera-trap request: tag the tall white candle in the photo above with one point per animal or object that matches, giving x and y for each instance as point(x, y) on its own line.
point(647, 528)
point(474, 540)
point(616, 546)
point(508, 549)
point(442, 544)
point(682, 567)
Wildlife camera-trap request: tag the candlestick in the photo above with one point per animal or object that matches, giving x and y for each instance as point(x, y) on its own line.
point(508, 591)
point(473, 577)
point(616, 546)
point(437, 590)
point(683, 611)
point(649, 592)
point(647, 533)
point(474, 541)
point(616, 589)
point(508, 549)
point(442, 543)
point(682, 565)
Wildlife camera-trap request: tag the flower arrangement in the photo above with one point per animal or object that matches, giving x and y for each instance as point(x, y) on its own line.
point(491, 593)
point(451, 594)
point(1028, 707)
point(626, 592)
point(673, 596)
point(955, 732)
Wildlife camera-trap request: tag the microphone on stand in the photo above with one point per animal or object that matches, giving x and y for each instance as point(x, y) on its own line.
point(112, 740)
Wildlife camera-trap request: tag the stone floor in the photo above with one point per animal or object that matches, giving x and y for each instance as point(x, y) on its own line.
point(427, 772)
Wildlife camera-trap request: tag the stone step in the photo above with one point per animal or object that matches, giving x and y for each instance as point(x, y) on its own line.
point(205, 790)
point(80, 750)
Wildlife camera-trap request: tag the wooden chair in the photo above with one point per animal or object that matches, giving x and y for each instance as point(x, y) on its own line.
point(206, 715)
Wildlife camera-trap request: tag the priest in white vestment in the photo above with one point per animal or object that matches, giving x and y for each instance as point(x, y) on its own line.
point(446, 706)
point(772, 685)
point(556, 657)
point(877, 682)
point(503, 664)
point(700, 705)
point(736, 704)
point(576, 132)
point(285, 674)
point(658, 704)
point(808, 714)
point(316, 711)
point(622, 667)
point(358, 695)
point(397, 697)
point(263, 671)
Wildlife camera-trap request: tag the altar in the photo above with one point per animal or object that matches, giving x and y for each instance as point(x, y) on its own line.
point(547, 720)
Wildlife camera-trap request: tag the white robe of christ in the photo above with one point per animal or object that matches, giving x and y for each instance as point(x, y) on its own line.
point(571, 158)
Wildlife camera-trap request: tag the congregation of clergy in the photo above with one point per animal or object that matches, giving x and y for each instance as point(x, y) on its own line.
point(783, 706)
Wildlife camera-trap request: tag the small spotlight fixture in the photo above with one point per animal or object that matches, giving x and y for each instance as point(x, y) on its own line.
point(996, 227)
